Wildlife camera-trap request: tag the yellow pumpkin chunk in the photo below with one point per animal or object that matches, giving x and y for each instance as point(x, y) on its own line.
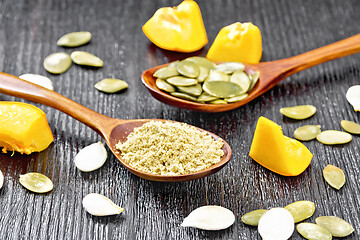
point(23, 128)
point(276, 152)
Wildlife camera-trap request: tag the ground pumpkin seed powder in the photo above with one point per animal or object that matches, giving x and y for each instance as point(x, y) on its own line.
point(170, 148)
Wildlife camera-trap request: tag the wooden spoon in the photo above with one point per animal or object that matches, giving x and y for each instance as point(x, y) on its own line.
point(111, 130)
point(271, 73)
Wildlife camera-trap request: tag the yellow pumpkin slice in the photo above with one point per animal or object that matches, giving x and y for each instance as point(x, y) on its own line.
point(23, 128)
point(280, 154)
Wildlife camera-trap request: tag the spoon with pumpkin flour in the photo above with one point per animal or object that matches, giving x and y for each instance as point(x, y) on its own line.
point(113, 131)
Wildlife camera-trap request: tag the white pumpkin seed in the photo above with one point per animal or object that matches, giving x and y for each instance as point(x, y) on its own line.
point(188, 69)
point(74, 39)
point(298, 112)
point(57, 63)
point(36, 182)
point(276, 223)
point(163, 85)
point(166, 72)
point(313, 231)
point(86, 59)
point(111, 85)
point(38, 80)
point(222, 89)
point(210, 218)
point(99, 205)
point(334, 176)
point(331, 137)
point(252, 218)
point(307, 132)
point(91, 157)
point(350, 127)
point(301, 210)
point(230, 67)
point(338, 227)
point(353, 97)
point(1, 179)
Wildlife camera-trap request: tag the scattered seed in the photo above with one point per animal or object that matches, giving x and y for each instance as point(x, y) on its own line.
point(184, 96)
point(331, 137)
point(38, 80)
point(252, 218)
point(298, 112)
point(222, 89)
point(230, 67)
point(57, 63)
point(194, 90)
point(276, 223)
point(91, 157)
point(334, 176)
point(1, 179)
point(313, 231)
point(86, 59)
point(166, 72)
point(74, 39)
point(188, 69)
point(99, 205)
point(163, 85)
point(353, 97)
point(210, 218)
point(336, 226)
point(301, 210)
point(111, 85)
point(36, 182)
point(179, 81)
point(307, 132)
point(350, 127)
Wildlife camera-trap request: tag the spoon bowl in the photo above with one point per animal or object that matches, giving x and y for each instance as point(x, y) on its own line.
point(110, 129)
point(271, 73)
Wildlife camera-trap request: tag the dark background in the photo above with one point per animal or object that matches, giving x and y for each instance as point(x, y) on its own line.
point(28, 33)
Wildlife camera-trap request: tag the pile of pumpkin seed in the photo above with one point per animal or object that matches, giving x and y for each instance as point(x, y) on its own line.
point(200, 80)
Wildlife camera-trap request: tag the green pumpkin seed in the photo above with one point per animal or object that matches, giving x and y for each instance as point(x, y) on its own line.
point(36, 182)
point(111, 85)
point(188, 69)
point(166, 72)
point(242, 79)
point(163, 85)
point(74, 39)
point(254, 79)
point(174, 64)
point(230, 67)
point(86, 59)
point(222, 89)
point(205, 97)
point(350, 127)
point(215, 75)
point(194, 90)
point(218, 101)
point(204, 73)
point(334, 176)
point(313, 231)
point(307, 132)
point(252, 218)
point(202, 62)
point(236, 98)
point(298, 112)
point(301, 210)
point(57, 63)
point(336, 226)
point(331, 137)
point(181, 81)
point(184, 96)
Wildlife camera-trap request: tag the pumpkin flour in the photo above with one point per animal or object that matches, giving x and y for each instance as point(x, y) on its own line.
point(170, 148)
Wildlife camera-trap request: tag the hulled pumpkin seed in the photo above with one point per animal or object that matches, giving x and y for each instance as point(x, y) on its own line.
point(230, 67)
point(218, 101)
point(307, 132)
point(174, 64)
point(353, 97)
point(188, 69)
point(215, 75)
point(301, 210)
point(313, 231)
point(204, 73)
point(91, 157)
point(350, 127)
point(166, 72)
point(57, 63)
point(338, 227)
point(222, 89)
point(331, 137)
point(334, 176)
point(276, 223)
point(184, 96)
point(242, 79)
point(74, 39)
point(252, 218)
point(86, 59)
point(205, 97)
point(111, 85)
point(202, 62)
point(99, 205)
point(38, 79)
point(163, 85)
point(36, 182)
point(181, 81)
point(194, 90)
point(254, 80)
point(298, 112)
point(236, 98)
point(1, 179)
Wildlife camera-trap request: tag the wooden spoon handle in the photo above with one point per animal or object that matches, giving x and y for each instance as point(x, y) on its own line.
point(17, 87)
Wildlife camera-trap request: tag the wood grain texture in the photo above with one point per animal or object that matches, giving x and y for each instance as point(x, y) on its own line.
point(28, 33)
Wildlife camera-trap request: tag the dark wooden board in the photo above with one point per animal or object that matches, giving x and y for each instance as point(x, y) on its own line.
point(28, 33)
